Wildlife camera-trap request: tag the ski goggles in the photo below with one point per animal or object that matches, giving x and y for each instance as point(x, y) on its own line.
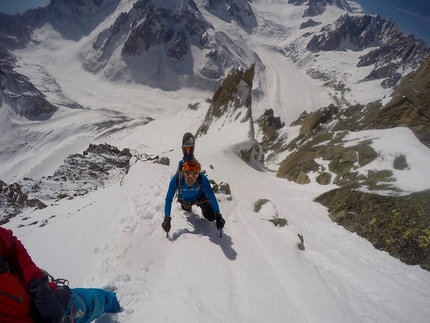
point(191, 174)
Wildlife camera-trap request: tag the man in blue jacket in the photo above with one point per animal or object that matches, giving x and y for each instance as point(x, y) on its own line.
point(193, 189)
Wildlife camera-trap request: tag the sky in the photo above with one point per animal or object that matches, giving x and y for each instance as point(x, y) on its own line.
point(411, 17)
point(14, 6)
point(255, 272)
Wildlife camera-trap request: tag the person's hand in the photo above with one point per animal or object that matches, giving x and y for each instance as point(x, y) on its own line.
point(220, 222)
point(45, 301)
point(166, 223)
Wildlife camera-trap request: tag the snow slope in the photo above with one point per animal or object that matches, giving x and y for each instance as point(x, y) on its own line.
point(255, 272)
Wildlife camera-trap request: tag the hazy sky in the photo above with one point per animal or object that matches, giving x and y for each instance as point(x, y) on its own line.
point(14, 6)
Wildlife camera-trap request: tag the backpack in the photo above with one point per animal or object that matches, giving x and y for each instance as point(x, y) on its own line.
point(15, 300)
point(61, 289)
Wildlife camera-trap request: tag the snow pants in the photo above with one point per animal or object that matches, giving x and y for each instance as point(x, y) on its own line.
point(203, 203)
point(93, 302)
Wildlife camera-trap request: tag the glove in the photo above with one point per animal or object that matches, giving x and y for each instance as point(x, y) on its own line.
point(220, 222)
point(45, 301)
point(166, 223)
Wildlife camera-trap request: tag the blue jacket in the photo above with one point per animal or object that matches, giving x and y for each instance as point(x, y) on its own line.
point(190, 193)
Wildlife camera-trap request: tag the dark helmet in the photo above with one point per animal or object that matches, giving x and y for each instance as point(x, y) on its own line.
point(188, 144)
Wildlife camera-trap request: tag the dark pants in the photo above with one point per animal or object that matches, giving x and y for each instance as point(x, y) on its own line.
point(203, 203)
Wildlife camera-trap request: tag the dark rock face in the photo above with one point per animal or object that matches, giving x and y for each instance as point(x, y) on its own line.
point(410, 105)
point(398, 225)
point(297, 2)
point(317, 7)
point(155, 25)
point(19, 92)
point(272, 121)
point(179, 50)
point(153, 28)
point(13, 33)
point(233, 102)
point(309, 23)
point(269, 126)
point(237, 10)
point(395, 52)
point(355, 32)
point(225, 96)
point(317, 118)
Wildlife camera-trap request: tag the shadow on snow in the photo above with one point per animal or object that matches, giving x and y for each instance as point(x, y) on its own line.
point(207, 228)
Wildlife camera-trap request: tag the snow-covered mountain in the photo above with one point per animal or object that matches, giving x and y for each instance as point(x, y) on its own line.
point(169, 44)
point(289, 102)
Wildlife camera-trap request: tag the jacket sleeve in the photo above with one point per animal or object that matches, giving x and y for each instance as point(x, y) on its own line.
point(207, 189)
point(43, 297)
point(15, 253)
point(173, 186)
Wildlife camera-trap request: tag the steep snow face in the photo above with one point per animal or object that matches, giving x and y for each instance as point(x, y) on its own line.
point(239, 11)
point(114, 237)
point(166, 44)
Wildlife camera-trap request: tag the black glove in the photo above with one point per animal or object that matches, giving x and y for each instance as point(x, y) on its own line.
point(166, 223)
point(220, 222)
point(45, 301)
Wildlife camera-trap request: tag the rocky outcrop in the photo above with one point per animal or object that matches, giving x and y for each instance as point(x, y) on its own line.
point(13, 201)
point(318, 118)
point(409, 106)
point(227, 99)
point(317, 7)
point(393, 222)
point(20, 93)
point(80, 174)
point(397, 225)
point(309, 23)
point(232, 101)
point(269, 127)
point(343, 162)
point(237, 10)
